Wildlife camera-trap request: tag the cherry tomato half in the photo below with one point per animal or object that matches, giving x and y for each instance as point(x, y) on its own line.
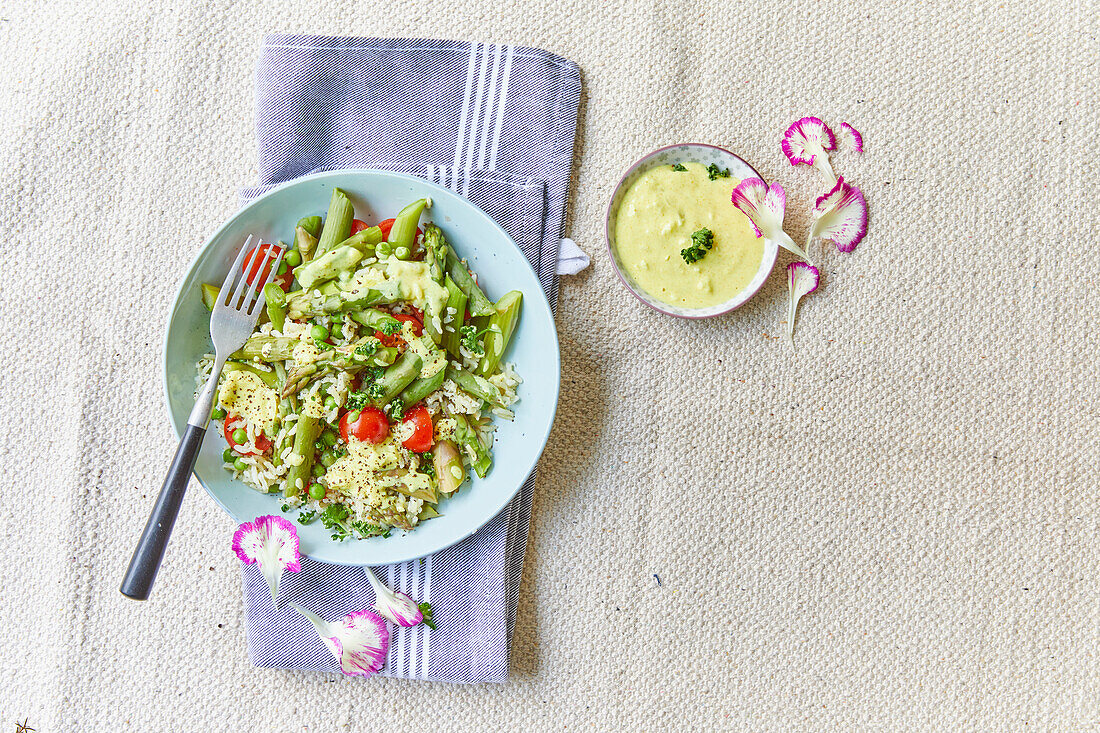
point(396, 340)
point(371, 426)
point(232, 422)
point(261, 256)
point(358, 225)
point(423, 432)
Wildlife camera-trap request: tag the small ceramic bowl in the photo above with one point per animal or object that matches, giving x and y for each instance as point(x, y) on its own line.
point(685, 153)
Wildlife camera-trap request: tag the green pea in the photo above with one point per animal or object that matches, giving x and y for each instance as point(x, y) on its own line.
point(316, 491)
point(282, 267)
point(337, 331)
point(293, 258)
point(240, 465)
point(402, 253)
point(382, 249)
point(217, 413)
point(353, 417)
point(319, 333)
point(329, 437)
point(228, 456)
point(318, 470)
point(330, 403)
point(328, 458)
point(240, 436)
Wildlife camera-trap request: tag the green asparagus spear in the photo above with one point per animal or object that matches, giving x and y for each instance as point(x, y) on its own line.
point(267, 348)
point(377, 320)
point(397, 377)
point(403, 232)
point(352, 357)
point(337, 223)
point(275, 299)
point(364, 240)
point(450, 472)
point(456, 304)
point(327, 266)
point(297, 476)
point(465, 434)
point(435, 251)
point(286, 408)
point(305, 243)
point(267, 377)
point(210, 295)
point(477, 302)
point(312, 225)
point(474, 385)
point(422, 387)
point(501, 326)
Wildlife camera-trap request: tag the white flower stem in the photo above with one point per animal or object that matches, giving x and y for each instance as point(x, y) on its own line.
point(379, 589)
point(319, 623)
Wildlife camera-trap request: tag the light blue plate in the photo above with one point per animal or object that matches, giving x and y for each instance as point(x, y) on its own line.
point(500, 267)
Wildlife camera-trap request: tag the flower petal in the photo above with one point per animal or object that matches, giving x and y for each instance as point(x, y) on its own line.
point(840, 216)
point(273, 543)
point(393, 605)
point(808, 142)
point(802, 279)
point(765, 206)
point(749, 198)
point(359, 641)
point(850, 138)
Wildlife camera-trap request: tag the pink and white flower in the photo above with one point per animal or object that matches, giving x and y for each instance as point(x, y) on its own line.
point(850, 139)
point(765, 206)
point(273, 543)
point(359, 641)
point(840, 216)
point(393, 604)
point(802, 279)
point(808, 142)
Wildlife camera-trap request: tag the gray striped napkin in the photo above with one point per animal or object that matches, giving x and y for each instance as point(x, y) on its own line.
point(496, 124)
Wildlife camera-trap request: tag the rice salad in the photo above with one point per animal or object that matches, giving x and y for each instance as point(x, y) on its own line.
point(367, 393)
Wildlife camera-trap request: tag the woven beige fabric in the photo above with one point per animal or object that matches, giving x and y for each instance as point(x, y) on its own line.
point(892, 527)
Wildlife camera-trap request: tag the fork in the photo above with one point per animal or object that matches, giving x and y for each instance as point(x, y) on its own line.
point(231, 323)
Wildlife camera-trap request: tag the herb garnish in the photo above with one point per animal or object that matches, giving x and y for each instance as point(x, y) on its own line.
point(714, 172)
point(390, 327)
point(470, 336)
point(395, 410)
point(307, 517)
point(701, 243)
point(679, 167)
point(426, 612)
point(367, 348)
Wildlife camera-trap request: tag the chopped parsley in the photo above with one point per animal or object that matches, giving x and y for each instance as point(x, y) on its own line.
point(366, 529)
point(370, 389)
point(427, 465)
point(390, 327)
point(679, 167)
point(470, 340)
point(367, 348)
point(307, 517)
point(333, 517)
point(395, 410)
point(701, 243)
point(426, 612)
point(714, 172)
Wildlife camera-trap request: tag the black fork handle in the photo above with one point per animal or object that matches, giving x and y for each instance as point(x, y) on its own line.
point(147, 557)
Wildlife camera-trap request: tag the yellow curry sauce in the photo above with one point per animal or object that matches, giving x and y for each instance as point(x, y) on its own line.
point(657, 217)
